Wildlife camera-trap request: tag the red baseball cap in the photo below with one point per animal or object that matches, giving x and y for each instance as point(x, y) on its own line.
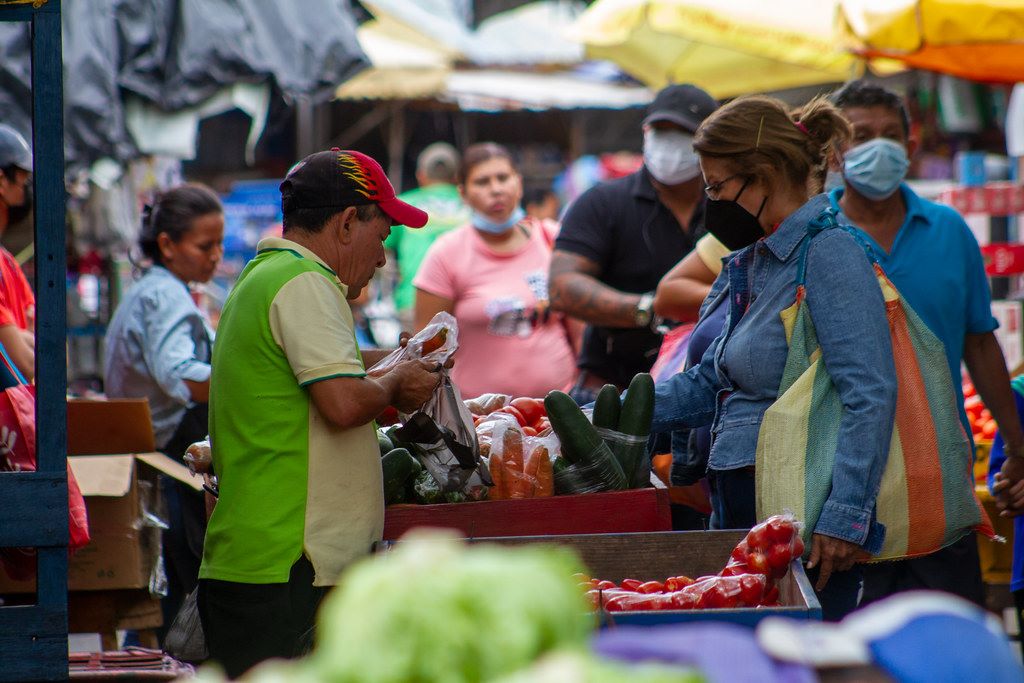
point(342, 178)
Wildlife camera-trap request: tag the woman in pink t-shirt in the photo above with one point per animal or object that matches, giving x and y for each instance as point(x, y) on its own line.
point(492, 275)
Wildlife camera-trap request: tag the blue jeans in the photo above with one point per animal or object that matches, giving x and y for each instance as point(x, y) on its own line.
point(733, 504)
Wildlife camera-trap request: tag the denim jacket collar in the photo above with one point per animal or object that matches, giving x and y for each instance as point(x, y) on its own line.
point(784, 241)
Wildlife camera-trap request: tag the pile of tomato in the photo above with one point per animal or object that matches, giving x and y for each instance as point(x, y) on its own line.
point(749, 579)
point(529, 413)
point(983, 425)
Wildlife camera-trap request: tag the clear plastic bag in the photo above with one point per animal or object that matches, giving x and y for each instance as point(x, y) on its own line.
point(441, 433)
point(185, 639)
point(601, 473)
point(768, 548)
point(485, 404)
point(631, 453)
point(520, 465)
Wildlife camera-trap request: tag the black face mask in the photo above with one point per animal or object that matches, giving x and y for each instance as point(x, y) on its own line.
point(15, 214)
point(731, 224)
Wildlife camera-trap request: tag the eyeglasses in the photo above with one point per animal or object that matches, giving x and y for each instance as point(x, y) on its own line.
point(713, 189)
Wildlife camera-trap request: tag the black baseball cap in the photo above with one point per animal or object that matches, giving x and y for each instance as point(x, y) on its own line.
point(340, 178)
point(683, 104)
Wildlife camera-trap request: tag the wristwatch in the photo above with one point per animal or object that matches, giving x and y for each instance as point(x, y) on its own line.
point(643, 312)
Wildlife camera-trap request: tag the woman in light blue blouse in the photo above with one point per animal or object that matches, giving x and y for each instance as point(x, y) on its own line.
point(763, 165)
point(158, 347)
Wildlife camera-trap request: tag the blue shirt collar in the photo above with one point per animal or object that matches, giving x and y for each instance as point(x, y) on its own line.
point(915, 205)
point(784, 241)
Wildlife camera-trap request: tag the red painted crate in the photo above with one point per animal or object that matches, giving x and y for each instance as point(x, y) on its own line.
point(638, 510)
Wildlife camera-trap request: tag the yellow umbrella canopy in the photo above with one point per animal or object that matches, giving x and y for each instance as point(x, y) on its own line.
point(727, 47)
point(978, 40)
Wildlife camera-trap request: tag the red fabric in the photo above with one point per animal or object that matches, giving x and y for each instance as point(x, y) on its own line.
point(18, 454)
point(16, 297)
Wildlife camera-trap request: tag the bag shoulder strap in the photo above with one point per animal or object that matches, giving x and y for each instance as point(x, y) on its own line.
point(826, 220)
point(11, 366)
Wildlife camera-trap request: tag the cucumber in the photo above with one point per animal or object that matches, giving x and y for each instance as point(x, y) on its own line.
point(638, 406)
point(581, 445)
point(635, 421)
point(398, 467)
point(607, 408)
point(384, 443)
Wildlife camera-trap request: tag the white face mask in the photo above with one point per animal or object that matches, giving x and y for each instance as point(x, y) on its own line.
point(669, 156)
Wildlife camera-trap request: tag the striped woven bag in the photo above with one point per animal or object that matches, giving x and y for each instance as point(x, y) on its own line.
point(927, 499)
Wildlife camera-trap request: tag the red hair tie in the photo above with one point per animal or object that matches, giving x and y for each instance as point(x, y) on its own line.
point(802, 128)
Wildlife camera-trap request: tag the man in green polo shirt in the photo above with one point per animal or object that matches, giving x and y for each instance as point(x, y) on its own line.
point(292, 410)
point(436, 168)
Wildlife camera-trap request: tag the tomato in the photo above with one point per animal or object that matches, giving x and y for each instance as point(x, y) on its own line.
point(757, 538)
point(779, 556)
point(532, 409)
point(529, 431)
point(631, 602)
point(752, 588)
point(988, 431)
point(594, 597)
point(736, 569)
point(684, 599)
point(757, 563)
point(631, 584)
point(388, 417)
point(740, 552)
point(606, 585)
point(677, 583)
point(780, 529)
point(651, 587)
point(514, 412)
point(771, 596)
point(973, 406)
point(969, 390)
point(798, 547)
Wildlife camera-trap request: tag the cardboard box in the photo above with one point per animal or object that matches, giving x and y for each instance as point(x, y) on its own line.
point(123, 504)
point(121, 496)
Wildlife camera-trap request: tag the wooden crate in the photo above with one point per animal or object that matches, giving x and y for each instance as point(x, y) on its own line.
point(592, 513)
point(657, 556)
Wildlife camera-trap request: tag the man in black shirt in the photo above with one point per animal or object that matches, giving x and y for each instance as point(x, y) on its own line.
point(619, 238)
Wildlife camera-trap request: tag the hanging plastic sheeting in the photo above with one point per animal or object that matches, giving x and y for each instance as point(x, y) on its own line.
point(93, 119)
point(980, 40)
point(727, 47)
point(177, 54)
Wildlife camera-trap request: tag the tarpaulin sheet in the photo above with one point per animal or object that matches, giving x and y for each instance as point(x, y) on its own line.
point(177, 54)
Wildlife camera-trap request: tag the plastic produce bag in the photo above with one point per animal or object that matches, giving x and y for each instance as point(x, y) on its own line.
point(485, 404)
point(520, 465)
point(185, 639)
point(768, 548)
point(631, 453)
point(441, 433)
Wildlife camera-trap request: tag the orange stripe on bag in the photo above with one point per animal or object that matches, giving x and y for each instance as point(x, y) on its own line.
point(927, 515)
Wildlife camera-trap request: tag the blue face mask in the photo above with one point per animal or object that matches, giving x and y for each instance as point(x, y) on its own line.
point(876, 168)
point(484, 224)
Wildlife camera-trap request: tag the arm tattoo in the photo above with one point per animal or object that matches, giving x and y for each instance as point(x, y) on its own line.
point(576, 291)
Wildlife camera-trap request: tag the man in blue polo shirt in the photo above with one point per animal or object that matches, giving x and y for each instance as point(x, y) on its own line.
point(932, 257)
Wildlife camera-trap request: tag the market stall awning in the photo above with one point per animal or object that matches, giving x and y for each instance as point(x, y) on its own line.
point(728, 47)
point(404, 64)
point(977, 40)
point(496, 90)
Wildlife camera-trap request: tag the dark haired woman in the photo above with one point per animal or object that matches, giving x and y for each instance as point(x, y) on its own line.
point(158, 347)
point(492, 275)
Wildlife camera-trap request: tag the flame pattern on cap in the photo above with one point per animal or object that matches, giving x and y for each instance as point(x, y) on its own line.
point(354, 169)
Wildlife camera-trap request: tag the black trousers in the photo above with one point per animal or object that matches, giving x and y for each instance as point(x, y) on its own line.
point(185, 512)
point(956, 570)
point(247, 623)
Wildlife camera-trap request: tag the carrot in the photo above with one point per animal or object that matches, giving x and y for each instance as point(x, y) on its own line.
point(500, 489)
point(519, 485)
point(539, 473)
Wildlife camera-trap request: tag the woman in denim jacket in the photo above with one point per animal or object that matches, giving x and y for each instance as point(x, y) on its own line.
point(762, 164)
